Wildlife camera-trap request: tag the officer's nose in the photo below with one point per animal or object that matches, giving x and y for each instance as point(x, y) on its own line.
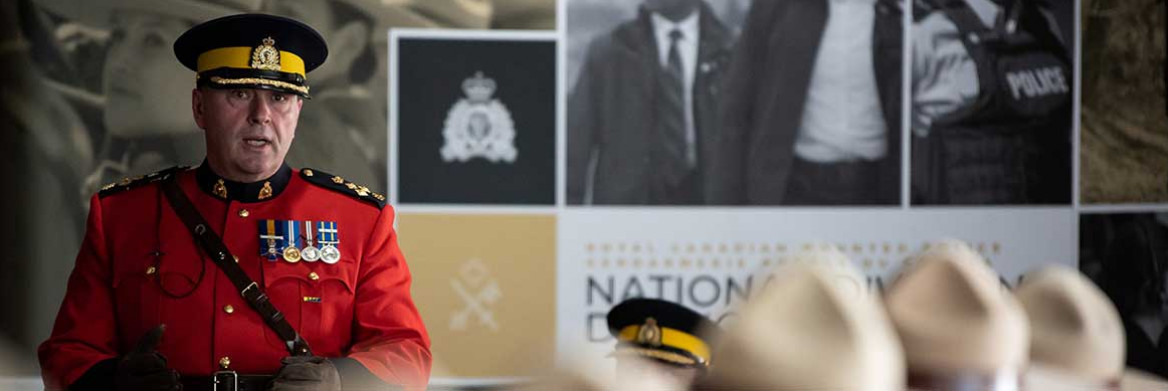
point(261, 111)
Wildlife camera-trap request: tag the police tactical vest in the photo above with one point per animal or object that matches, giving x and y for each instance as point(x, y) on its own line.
point(1012, 145)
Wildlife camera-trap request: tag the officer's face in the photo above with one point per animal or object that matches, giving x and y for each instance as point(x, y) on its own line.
point(248, 131)
point(141, 78)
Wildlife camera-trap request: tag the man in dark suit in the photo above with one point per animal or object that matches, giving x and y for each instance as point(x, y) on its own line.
point(811, 114)
point(642, 118)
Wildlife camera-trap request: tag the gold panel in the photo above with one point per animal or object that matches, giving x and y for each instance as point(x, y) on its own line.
point(485, 285)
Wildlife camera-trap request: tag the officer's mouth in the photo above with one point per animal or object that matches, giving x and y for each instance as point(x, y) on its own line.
point(256, 143)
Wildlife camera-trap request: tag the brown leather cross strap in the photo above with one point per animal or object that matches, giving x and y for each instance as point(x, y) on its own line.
point(214, 247)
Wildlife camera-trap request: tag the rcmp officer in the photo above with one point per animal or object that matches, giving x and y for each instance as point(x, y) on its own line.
point(265, 276)
point(671, 336)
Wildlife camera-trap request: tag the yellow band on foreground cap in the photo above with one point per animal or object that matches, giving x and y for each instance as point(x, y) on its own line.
point(239, 57)
point(673, 338)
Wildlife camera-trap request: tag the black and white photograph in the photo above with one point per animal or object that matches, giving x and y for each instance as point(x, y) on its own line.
point(992, 102)
point(691, 102)
point(1126, 254)
point(474, 118)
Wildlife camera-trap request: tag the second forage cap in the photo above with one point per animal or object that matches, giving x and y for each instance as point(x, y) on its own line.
point(960, 328)
point(813, 327)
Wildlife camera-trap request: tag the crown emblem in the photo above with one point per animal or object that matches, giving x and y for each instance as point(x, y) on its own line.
point(650, 333)
point(479, 125)
point(266, 56)
point(478, 89)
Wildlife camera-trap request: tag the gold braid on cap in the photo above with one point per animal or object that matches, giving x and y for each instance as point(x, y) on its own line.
point(266, 82)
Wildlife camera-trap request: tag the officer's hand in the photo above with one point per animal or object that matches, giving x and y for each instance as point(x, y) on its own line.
point(144, 368)
point(306, 373)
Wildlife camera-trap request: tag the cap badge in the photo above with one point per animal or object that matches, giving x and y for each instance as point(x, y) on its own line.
point(266, 56)
point(650, 333)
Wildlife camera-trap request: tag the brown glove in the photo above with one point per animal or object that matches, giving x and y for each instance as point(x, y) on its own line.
point(306, 373)
point(144, 368)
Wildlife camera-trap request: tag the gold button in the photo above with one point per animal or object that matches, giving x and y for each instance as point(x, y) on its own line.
point(228, 308)
point(307, 172)
point(244, 213)
point(235, 258)
point(313, 276)
point(225, 362)
point(150, 270)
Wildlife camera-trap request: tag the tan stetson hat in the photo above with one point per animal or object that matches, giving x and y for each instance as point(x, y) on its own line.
point(813, 327)
point(959, 326)
point(1137, 380)
point(1077, 337)
point(1074, 329)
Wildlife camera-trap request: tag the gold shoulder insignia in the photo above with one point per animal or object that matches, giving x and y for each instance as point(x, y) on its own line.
point(341, 185)
point(137, 181)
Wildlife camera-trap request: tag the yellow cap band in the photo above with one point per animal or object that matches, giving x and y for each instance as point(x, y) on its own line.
point(240, 57)
point(673, 338)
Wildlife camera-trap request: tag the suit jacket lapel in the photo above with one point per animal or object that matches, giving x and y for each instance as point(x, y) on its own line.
point(794, 45)
point(640, 47)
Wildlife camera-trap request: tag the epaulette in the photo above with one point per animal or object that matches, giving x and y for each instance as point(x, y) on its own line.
point(128, 183)
point(340, 185)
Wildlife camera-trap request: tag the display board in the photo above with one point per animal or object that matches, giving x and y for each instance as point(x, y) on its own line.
point(687, 167)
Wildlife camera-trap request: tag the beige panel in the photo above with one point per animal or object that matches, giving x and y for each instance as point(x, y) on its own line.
point(485, 285)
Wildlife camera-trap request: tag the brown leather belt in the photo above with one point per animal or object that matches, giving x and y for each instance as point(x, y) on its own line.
point(227, 381)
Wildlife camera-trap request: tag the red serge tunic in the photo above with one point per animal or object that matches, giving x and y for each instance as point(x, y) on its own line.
point(139, 267)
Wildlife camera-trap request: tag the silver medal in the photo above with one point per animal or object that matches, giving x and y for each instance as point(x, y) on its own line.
point(310, 253)
point(330, 254)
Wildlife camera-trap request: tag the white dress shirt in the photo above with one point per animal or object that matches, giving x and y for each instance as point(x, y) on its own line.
point(842, 118)
point(687, 47)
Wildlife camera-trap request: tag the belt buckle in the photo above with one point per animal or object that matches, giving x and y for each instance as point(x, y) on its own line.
point(225, 381)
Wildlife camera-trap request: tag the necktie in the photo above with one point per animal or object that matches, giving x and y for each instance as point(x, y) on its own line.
point(671, 115)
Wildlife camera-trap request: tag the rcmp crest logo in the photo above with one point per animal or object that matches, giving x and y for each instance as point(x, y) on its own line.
point(266, 56)
point(479, 125)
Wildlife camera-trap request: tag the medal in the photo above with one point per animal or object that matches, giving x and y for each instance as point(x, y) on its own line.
point(291, 253)
point(329, 238)
point(330, 254)
point(268, 233)
point(310, 253)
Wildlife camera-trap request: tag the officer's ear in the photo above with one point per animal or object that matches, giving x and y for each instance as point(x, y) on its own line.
point(197, 106)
